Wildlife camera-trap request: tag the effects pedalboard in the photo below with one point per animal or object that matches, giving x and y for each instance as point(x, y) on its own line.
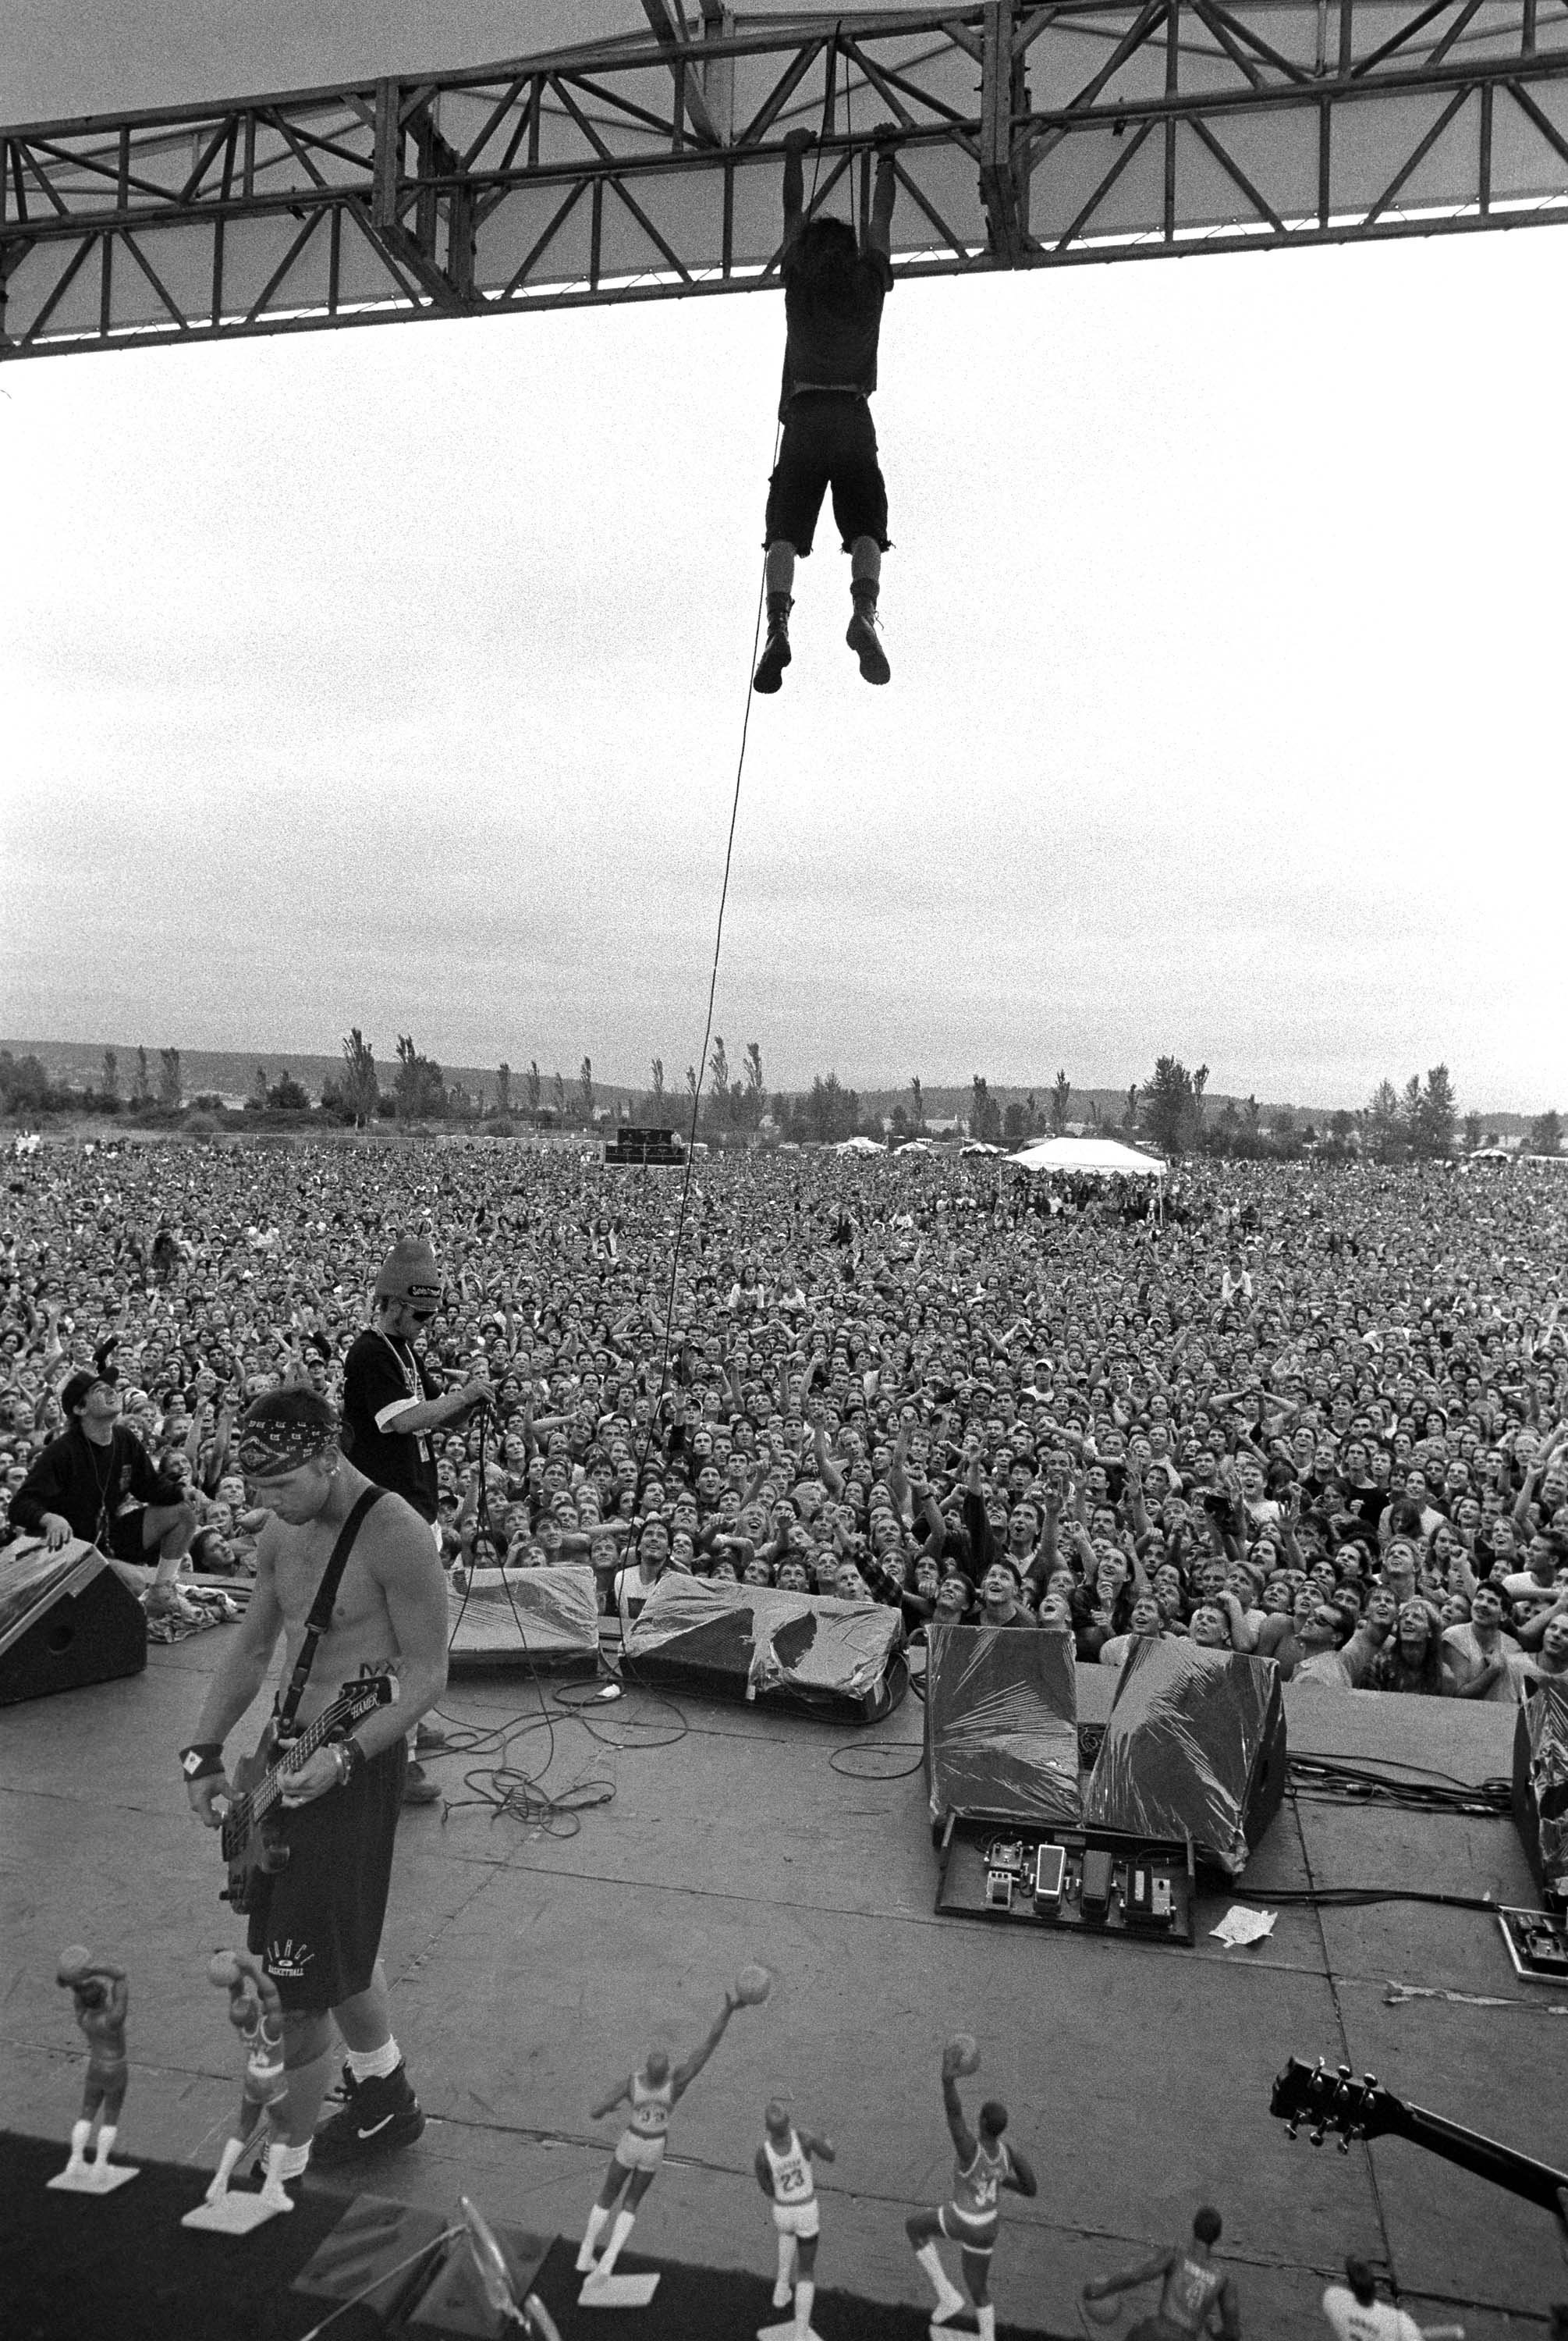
point(1537, 1944)
point(1093, 1881)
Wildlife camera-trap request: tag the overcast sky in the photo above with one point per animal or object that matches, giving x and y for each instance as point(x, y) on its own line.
point(397, 678)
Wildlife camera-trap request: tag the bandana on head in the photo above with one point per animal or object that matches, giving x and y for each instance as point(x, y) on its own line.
point(269, 1449)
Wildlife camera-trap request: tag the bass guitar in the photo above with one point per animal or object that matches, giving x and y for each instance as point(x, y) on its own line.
point(1351, 2108)
point(252, 1836)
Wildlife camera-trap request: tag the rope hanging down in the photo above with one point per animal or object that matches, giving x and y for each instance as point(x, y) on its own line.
point(701, 1067)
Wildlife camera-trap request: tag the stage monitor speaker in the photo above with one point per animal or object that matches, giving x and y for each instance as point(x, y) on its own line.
point(1194, 1747)
point(66, 1619)
point(1001, 1726)
point(1541, 1789)
point(527, 1618)
point(750, 1642)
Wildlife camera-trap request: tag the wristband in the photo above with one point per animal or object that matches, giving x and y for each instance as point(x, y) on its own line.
point(201, 1760)
point(350, 1756)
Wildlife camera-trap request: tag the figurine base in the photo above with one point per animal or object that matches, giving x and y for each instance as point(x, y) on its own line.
point(93, 2178)
point(615, 2291)
point(785, 2332)
point(233, 2213)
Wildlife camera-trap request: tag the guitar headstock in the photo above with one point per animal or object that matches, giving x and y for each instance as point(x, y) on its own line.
point(358, 1699)
point(1333, 2101)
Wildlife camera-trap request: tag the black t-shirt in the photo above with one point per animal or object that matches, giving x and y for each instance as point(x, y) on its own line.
point(832, 330)
point(378, 1374)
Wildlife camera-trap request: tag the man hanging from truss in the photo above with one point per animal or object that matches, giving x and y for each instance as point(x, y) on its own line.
point(834, 287)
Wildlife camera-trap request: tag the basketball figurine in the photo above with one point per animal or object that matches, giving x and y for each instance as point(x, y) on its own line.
point(256, 2013)
point(102, 1997)
point(783, 2166)
point(652, 2093)
point(982, 2166)
point(1193, 2288)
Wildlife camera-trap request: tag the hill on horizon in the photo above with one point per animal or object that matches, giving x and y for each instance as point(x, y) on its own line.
point(229, 1073)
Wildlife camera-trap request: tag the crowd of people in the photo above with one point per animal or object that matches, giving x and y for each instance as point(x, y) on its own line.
point(1315, 1414)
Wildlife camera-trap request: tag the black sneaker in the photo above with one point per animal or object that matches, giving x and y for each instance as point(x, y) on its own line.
point(378, 2116)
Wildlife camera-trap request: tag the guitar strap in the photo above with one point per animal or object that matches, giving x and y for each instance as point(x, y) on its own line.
point(321, 1608)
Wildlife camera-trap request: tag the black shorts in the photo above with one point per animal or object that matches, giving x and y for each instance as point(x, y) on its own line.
point(127, 1539)
point(318, 1930)
point(830, 441)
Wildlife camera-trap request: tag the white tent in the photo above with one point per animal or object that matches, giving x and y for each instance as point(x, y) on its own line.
point(1104, 1155)
point(859, 1146)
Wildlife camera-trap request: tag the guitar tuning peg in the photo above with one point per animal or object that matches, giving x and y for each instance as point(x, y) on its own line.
point(1317, 2136)
point(1369, 2080)
point(1344, 2072)
point(1291, 2130)
point(1343, 2143)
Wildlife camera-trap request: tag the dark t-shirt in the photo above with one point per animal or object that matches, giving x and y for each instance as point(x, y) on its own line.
point(379, 1373)
point(831, 335)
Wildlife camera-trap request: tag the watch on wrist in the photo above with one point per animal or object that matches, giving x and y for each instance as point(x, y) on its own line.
point(351, 1756)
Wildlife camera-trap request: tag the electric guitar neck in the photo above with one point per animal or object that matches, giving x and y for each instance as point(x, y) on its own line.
point(250, 1841)
point(1361, 2109)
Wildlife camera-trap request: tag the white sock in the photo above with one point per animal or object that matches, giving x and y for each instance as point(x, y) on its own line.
point(988, 2317)
point(805, 2294)
point(598, 2220)
point(949, 2296)
point(80, 2132)
point(624, 2223)
point(283, 2162)
point(374, 2064)
point(233, 2149)
point(105, 2140)
point(784, 2285)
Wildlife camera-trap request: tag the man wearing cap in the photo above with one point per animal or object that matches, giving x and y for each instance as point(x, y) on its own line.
point(97, 1482)
point(391, 1400)
point(391, 1404)
point(318, 1929)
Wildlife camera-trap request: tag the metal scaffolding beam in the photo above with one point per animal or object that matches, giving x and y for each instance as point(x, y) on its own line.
point(1030, 133)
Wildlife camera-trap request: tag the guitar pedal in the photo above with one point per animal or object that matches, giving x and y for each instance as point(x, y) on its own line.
point(1095, 1886)
point(999, 1890)
point(1050, 1872)
point(1149, 1900)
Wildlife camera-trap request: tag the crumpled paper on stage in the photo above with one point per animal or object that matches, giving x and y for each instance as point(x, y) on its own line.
point(1240, 1926)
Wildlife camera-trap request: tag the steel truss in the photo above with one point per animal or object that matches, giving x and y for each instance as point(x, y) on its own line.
point(1029, 134)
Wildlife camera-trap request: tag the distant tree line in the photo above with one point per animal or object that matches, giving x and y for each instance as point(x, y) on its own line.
point(1420, 1123)
point(1170, 1111)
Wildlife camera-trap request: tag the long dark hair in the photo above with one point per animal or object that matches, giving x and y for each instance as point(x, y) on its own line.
point(1392, 1670)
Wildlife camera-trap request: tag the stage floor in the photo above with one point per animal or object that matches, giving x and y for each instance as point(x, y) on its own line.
point(532, 1969)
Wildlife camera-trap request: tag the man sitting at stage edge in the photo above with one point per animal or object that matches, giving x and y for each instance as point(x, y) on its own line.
point(97, 1482)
